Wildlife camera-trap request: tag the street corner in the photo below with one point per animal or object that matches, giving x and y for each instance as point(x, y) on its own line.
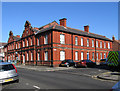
point(109, 76)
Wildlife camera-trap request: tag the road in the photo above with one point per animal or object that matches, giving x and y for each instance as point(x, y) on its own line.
point(80, 78)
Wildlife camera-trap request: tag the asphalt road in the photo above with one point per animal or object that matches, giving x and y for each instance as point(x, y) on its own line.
point(80, 78)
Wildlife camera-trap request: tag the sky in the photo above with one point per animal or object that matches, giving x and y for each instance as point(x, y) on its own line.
point(102, 17)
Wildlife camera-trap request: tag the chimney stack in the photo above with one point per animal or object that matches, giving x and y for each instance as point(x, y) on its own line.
point(63, 22)
point(18, 36)
point(86, 28)
point(113, 38)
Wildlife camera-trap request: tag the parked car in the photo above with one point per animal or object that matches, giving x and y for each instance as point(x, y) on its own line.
point(8, 72)
point(103, 62)
point(67, 63)
point(85, 63)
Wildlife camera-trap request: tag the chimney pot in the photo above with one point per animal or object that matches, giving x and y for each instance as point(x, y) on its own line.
point(63, 22)
point(113, 38)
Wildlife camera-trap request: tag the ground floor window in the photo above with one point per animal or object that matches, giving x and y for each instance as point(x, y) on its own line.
point(38, 56)
point(46, 55)
point(31, 56)
point(97, 56)
point(87, 55)
point(81, 55)
point(62, 55)
point(104, 55)
point(76, 55)
point(92, 55)
point(101, 55)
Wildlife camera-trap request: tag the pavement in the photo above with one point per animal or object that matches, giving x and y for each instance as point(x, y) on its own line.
point(113, 76)
point(43, 68)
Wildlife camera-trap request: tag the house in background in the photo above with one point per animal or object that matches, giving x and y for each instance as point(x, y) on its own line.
point(52, 43)
point(116, 44)
point(2, 50)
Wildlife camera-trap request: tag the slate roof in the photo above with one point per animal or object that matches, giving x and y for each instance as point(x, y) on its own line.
point(2, 44)
point(75, 31)
point(16, 38)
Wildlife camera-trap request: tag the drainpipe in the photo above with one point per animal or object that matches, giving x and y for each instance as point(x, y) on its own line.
point(51, 48)
point(72, 45)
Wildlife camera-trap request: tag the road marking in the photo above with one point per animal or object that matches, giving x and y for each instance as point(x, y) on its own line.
point(36, 87)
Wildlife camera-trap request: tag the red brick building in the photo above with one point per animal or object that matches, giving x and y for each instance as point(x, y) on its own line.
point(116, 44)
point(50, 44)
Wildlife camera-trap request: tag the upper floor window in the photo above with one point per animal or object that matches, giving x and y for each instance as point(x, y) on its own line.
point(81, 41)
point(16, 45)
point(31, 41)
point(104, 44)
point(87, 42)
point(62, 38)
point(27, 42)
point(76, 40)
point(97, 44)
point(100, 44)
point(38, 42)
point(23, 43)
point(19, 45)
point(46, 39)
point(92, 43)
point(108, 45)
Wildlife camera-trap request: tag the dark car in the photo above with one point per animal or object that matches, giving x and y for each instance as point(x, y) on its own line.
point(85, 63)
point(67, 63)
point(103, 62)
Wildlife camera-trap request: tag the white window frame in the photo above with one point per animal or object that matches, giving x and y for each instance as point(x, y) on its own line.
point(97, 56)
point(31, 41)
point(88, 55)
point(76, 55)
point(104, 55)
point(108, 45)
point(92, 43)
point(76, 40)
point(23, 43)
point(93, 54)
point(104, 44)
point(46, 55)
point(62, 57)
point(87, 42)
point(82, 55)
point(31, 56)
point(81, 41)
point(100, 44)
point(27, 57)
point(16, 46)
point(38, 56)
point(19, 45)
point(27, 42)
point(38, 42)
point(46, 39)
point(62, 39)
point(101, 55)
point(97, 44)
